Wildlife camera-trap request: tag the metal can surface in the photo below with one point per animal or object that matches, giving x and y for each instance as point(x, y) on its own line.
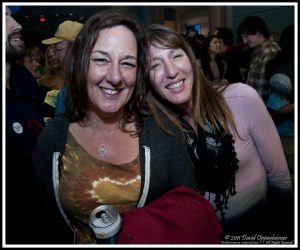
point(105, 222)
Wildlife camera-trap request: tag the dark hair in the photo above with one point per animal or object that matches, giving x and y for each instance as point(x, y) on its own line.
point(287, 52)
point(78, 62)
point(205, 60)
point(252, 25)
point(287, 42)
point(226, 35)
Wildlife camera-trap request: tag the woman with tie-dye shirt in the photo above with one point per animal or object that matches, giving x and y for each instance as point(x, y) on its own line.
point(106, 149)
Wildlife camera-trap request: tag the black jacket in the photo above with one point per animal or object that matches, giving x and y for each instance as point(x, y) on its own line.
point(24, 122)
point(164, 163)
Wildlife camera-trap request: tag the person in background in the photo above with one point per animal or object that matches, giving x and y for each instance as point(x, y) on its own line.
point(281, 100)
point(52, 78)
point(107, 148)
point(62, 42)
point(229, 54)
point(32, 61)
point(233, 142)
point(35, 53)
point(212, 66)
point(193, 38)
point(254, 32)
point(244, 60)
point(24, 213)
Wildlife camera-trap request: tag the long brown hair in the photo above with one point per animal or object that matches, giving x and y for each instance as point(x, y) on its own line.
point(207, 102)
point(214, 170)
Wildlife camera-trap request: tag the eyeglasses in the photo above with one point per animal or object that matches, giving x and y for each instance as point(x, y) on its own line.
point(57, 51)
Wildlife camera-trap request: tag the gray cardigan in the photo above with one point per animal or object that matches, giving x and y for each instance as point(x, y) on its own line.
point(164, 162)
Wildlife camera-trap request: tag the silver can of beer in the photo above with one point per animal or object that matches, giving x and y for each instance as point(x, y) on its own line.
point(105, 222)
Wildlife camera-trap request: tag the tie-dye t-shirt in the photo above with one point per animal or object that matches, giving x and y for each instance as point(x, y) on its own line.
point(87, 182)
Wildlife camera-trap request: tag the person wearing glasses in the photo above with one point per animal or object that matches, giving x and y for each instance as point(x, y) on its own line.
point(62, 42)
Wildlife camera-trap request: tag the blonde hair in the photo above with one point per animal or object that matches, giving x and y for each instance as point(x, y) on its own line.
point(50, 75)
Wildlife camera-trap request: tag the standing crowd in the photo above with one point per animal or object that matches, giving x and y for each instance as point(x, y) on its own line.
point(188, 140)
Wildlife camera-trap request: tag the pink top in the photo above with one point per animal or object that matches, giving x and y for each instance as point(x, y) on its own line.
point(260, 154)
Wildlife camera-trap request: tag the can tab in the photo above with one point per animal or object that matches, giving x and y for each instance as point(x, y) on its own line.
point(105, 222)
point(105, 217)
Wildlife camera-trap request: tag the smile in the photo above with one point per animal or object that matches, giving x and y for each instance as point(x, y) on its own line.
point(111, 91)
point(174, 85)
point(15, 37)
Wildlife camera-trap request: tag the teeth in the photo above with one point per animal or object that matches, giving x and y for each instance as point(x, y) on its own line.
point(15, 39)
point(110, 91)
point(174, 85)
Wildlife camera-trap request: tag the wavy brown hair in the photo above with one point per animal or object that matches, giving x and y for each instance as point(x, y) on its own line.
point(77, 105)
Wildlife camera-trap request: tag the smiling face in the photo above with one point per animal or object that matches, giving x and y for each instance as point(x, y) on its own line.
point(15, 47)
point(171, 74)
point(113, 69)
point(214, 46)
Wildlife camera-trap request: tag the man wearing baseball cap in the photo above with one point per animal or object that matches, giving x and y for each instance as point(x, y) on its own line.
point(62, 40)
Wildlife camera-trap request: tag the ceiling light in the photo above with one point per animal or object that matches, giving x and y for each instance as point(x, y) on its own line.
point(42, 18)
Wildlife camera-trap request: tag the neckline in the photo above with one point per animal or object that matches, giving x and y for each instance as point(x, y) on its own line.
point(95, 159)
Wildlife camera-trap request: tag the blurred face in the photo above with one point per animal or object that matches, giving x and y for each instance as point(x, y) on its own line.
point(223, 46)
point(52, 59)
point(113, 69)
point(32, 65)
point(171, 74)
point(15, 47)
point(61, 51)
point(214, 46)
point(253, 40)
point(36, 54)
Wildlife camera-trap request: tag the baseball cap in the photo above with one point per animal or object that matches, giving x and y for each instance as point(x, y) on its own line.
point(67, 31)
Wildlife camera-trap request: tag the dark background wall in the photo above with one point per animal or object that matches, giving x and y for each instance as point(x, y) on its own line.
point(277, 16)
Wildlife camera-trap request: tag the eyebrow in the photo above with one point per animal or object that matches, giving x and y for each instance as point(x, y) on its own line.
point(108, 55)
point(172, 51)
point(154, 58)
